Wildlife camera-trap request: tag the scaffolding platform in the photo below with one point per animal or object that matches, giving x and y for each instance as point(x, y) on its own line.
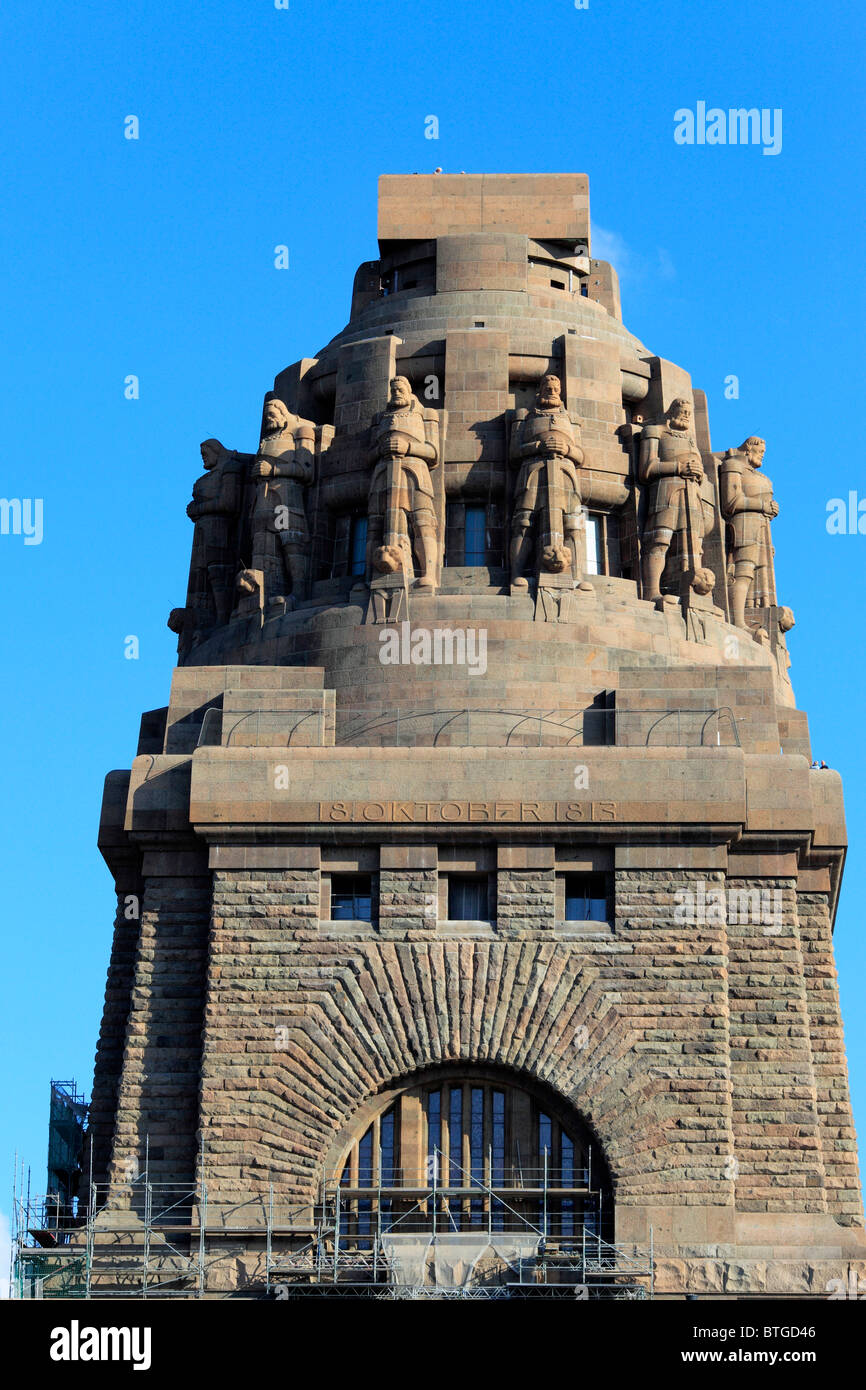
point(464, 1239)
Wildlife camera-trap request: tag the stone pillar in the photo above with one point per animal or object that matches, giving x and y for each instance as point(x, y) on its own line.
point(408, 897)
point(670, 963)
point(476, 394)
point(158, 1091)
point(776, 1137)
point(838, 1139)
point(254, 1096)
point(112, 1033)
point(525, 889)
point(592, 381)
point(363, 373)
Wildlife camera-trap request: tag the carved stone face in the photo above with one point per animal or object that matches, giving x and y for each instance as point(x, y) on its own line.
point(679, 414)
point(387, 559)
point(703, 581)
point(401, 394)
point(210, 452)
point(754, 449)
point(555, 558)
point(247, 582)
point(549, 395)
point(275, 417)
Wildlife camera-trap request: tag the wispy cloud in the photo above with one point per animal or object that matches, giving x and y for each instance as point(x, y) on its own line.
point(631, 266)
point(610, 246)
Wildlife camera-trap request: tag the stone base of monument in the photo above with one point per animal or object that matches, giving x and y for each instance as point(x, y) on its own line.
point(389, 599)
point(665, 602)
point(558, 598)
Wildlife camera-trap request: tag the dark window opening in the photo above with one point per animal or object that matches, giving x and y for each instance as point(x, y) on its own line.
point(351, 898)
point(468, 898)
point(599, 720)
point(358, 546)
point(558, 284)
point(478, 1154)
point(475, 536)
point(585, 898)
point(455, 1137)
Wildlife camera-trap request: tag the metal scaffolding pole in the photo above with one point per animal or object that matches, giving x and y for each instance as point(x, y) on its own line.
point(269, 1243)
point(202, 1233)
point(336, 1233)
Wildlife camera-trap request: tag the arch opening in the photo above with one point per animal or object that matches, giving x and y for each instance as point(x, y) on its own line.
point(464, 1150)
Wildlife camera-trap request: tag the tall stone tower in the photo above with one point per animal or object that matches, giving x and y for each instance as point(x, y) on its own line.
point(475, 890)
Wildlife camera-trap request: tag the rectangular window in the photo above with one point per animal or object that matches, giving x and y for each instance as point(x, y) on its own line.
point(476, 1149)
point(602, 543)
point(497, 1157)
point(497, 1146)
point(455, 1137)
point(566, 1179)
point(591, 1217)
point(593, 543)
point(351, 898)
point(365, 1179)
point(434, 1137)
point(475, 536)
point(468, 898)
point(358, 546)
point(387, 1149)
point(545, 1158)
point(585, 898)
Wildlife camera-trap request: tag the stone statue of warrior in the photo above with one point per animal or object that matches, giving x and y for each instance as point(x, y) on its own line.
point(670, 464)
point(747, 502)
point(401, 507)
point(547, 495)
point(215, 508)
point(282, 471)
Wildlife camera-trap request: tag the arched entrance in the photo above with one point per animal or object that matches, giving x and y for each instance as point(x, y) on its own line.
point(466, 1150)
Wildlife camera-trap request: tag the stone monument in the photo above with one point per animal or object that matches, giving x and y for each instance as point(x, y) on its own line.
point(484, 884)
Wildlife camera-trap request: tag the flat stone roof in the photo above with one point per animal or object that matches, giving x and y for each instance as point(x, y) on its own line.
point(546, 207)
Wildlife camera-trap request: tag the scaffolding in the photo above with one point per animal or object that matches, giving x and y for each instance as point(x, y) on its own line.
point(67, 1118)
point(460, 1239)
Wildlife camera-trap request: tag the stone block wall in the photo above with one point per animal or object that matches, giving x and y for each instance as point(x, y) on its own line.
point(833, 1102)
point(778, 1148)
point(157, 1093)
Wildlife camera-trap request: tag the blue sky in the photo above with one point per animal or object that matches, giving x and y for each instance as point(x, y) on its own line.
point(155, 257)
